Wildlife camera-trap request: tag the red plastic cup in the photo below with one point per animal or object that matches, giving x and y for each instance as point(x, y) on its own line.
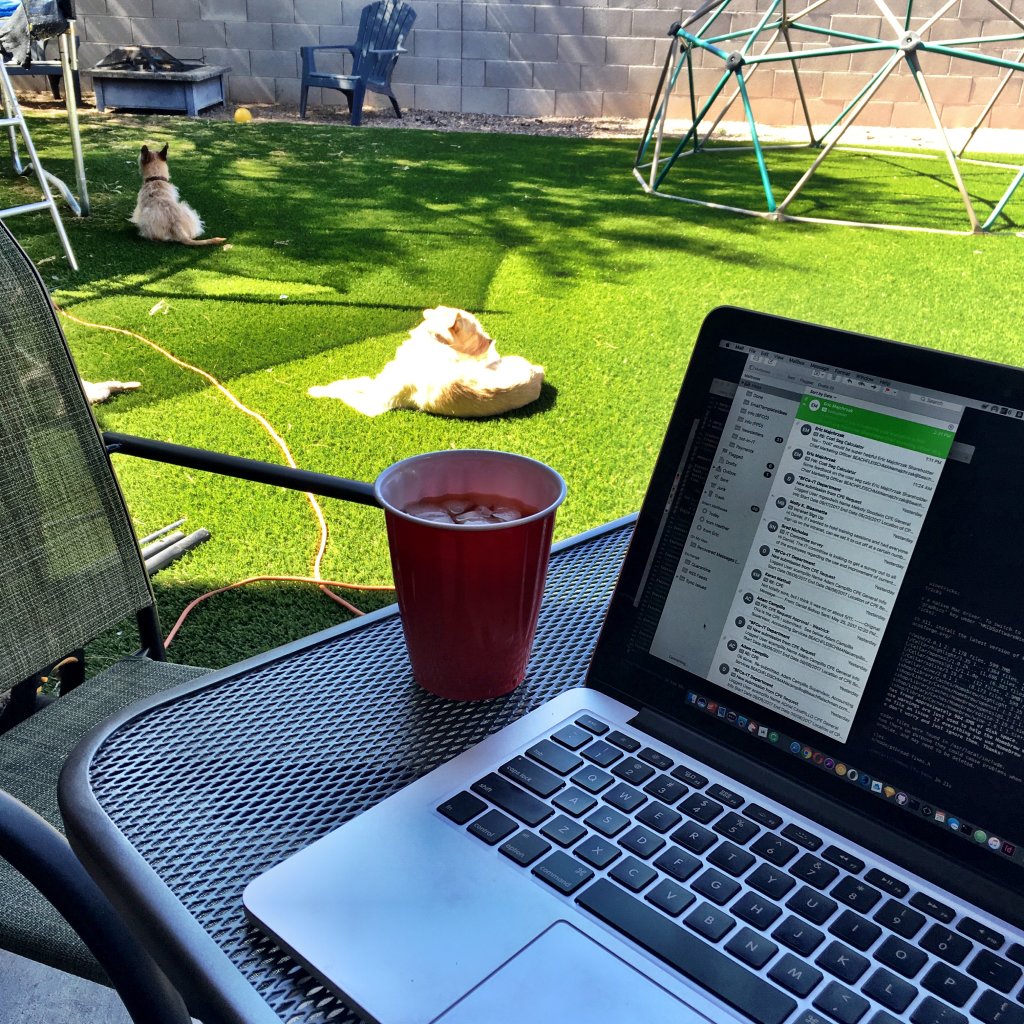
point(469, 594)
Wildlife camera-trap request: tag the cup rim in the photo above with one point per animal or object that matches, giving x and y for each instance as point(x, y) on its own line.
point(390, 509)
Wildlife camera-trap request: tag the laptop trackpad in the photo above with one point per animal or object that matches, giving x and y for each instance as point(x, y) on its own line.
point(563, 975)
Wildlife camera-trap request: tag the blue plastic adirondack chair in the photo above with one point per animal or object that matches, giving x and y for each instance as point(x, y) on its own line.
point(383, 26)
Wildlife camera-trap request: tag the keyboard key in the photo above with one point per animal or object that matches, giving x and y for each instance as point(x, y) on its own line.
point(931, 1011)
point(563, 830)
point(711, 923)
point(511, 798)
point(893, 993)
point(814, 871)
point(854, 929)
point(799, 936)
point(855, 893)
point(625, 798)
point(932, 907)
point(601, 753)
point(525, 848)
point(678, 863)
point(980, 933)
point(701, 808)
point(884, 881)
point(659, 817)
point(1016, 953)
point(800, 836)
point(642, 841)
point(756, 911)
point(709, 967)
point(627, 743)
point(731, 858)
point(633, 874)
point(843, 962)
point(574, 801)
point(666, 789)
point(993, 1009)
point(795, 975)
point(994, 971)
point(607, 821)
point(811, 904)
point(562, 872)
point(843, 859)
point(592, 724)
point(900, 918)
point(716, 886)
point(954, 987)
point(572, 736)
point(946, 944)
point(655, 757)
point(726, 796)
point(694, 838)
point(531, 776)
point(593, 780)
point(770, 881)
point(737, 828)
point(670, 896)
point(632, 770)
point(751, 948)
point(769, 819)
point(552, 756)
point(881, 1017)
point(841, 1004)
point(689, 776)
point(462, 807)
point(774, 849)
point(597, 851)
point(493, 827)
point(903, 958)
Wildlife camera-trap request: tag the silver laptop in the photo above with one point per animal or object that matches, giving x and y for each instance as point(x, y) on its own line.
point(791, 790)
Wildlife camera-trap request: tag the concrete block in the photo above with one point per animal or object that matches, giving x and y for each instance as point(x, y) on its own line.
point(155, 32)
point(557, 77)
point(334, 35)
point(437, 97)
point(127, 9)
point(784, 83)
point(274, 64)
point(626, 104)
point(269, 11)
point(474, 17)
point(449, 72)
point(471, 72)
point(449, 16)
point(531, 46)
point(559, 20)
point(485, 101)
point(318, 12)
point(578, 104)
point(645, 80)
point(510, 18)
point(436, 44)
point(583, 50)
point(182, 10)
point(650, 24)
point(605, 21)
point(223, 10)
point(418, 70)
point(508, 74)
point(290, 36)
point(246, 89)
point(481, 45)
point(286, 91)
point(237, 60)
point(606, 78)
point(630, 51)
point(115, 31)
point(202, 33)
point(774, 112)
point(531, 102)
point(250, 35)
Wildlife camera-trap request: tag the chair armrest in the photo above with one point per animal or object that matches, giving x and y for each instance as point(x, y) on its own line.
point(351, 47)
point(323, 484)
point(399, 49)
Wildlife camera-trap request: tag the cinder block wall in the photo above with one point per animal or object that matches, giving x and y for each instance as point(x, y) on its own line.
point(566, 58)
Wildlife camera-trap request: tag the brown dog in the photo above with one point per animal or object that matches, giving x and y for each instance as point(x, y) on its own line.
point(449, 366)
point(159, 214)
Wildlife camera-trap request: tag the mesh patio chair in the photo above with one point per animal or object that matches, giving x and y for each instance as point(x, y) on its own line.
point(71, 570)
point(383, 27)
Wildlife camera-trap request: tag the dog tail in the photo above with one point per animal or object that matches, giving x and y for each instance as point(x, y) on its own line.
point(204, 241)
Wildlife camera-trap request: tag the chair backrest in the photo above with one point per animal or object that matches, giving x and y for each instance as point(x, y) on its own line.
point(383, 25)
point(71, 566)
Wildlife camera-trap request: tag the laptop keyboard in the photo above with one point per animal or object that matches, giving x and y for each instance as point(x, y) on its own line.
point(775, 921)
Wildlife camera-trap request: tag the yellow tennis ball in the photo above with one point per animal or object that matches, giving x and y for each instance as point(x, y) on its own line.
point(243, 115)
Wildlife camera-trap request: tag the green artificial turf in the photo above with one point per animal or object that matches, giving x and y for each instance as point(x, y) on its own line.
point(340, 237)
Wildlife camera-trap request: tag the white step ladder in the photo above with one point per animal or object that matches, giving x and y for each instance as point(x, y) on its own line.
point(14, 119)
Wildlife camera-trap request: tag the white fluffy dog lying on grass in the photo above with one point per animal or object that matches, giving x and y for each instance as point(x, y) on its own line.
point(449, 366)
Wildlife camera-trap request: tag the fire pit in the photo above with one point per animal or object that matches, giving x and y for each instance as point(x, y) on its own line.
point(150, 78)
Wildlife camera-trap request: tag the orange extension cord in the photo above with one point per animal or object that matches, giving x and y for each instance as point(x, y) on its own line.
point(316, 576)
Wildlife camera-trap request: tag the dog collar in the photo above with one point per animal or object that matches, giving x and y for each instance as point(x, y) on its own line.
point(155, 177)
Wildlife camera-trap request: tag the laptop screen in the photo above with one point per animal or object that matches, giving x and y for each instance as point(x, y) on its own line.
point(828, 574)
